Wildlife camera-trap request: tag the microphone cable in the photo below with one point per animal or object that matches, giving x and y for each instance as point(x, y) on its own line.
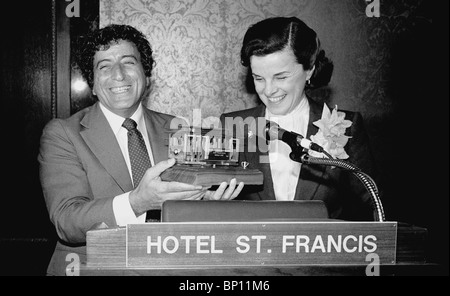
point(368, 182)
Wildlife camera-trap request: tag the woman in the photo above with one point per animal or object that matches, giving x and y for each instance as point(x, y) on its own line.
point(284, 57)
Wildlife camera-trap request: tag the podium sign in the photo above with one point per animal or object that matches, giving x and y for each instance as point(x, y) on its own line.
point(188, 244)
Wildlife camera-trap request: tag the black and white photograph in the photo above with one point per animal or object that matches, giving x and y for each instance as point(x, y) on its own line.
point(225, 145)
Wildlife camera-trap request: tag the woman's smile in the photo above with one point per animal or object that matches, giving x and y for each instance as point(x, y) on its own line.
point(275, 100)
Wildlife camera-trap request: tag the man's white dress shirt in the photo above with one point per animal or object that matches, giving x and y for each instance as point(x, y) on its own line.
point(123, 212)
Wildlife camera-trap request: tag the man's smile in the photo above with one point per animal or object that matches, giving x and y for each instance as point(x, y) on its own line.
point(120, 90)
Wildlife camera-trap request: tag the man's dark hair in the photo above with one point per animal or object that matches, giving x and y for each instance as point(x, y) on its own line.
point(102, 39)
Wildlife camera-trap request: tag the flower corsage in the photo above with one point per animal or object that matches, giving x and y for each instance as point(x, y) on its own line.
point(331, 135)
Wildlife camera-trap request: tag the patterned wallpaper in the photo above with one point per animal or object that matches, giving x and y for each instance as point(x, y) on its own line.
point(197, 43)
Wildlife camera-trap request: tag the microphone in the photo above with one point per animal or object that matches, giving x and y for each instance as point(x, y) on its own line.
point(294, 140)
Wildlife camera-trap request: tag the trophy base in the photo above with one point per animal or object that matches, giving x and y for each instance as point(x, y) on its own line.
point(209, 176)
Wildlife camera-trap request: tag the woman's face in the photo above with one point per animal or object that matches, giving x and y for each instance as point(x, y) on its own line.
point(279, 80)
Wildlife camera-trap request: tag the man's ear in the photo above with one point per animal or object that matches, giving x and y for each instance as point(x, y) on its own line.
point(147, 90)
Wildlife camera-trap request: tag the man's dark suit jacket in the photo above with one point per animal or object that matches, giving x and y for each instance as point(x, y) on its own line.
point(344, 195)
point(82, 169)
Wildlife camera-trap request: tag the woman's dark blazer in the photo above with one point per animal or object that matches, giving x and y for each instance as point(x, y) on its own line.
point(343, 193)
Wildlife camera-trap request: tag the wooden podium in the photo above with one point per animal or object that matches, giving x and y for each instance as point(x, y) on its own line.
point(257, 249)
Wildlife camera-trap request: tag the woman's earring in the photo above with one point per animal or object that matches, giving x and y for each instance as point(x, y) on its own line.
point(308, 82)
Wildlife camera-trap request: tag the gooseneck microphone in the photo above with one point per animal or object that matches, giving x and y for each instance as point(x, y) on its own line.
point(297, 142)
point(294, 140)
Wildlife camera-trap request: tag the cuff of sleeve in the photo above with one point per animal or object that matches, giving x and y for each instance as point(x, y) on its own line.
point(123, 212)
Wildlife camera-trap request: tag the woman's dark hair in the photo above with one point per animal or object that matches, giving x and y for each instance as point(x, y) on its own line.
point(275, 34)
point(103, 38)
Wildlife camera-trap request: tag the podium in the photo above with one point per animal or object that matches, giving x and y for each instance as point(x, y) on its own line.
point(324, 247)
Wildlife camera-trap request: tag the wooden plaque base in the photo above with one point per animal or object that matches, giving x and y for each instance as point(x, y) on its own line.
point(209, 176)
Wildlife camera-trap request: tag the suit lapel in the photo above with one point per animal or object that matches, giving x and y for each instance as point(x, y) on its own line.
point(260, 159)
point(307, 184)
point(158, 129)
point(100, 138)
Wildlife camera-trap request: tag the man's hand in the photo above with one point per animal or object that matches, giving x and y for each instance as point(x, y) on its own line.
point(152, 191)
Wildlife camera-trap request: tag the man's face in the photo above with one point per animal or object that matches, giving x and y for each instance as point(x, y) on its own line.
point(119, 78)
point(279, 80)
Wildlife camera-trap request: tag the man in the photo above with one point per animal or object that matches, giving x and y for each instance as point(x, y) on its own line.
point(86, 169)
